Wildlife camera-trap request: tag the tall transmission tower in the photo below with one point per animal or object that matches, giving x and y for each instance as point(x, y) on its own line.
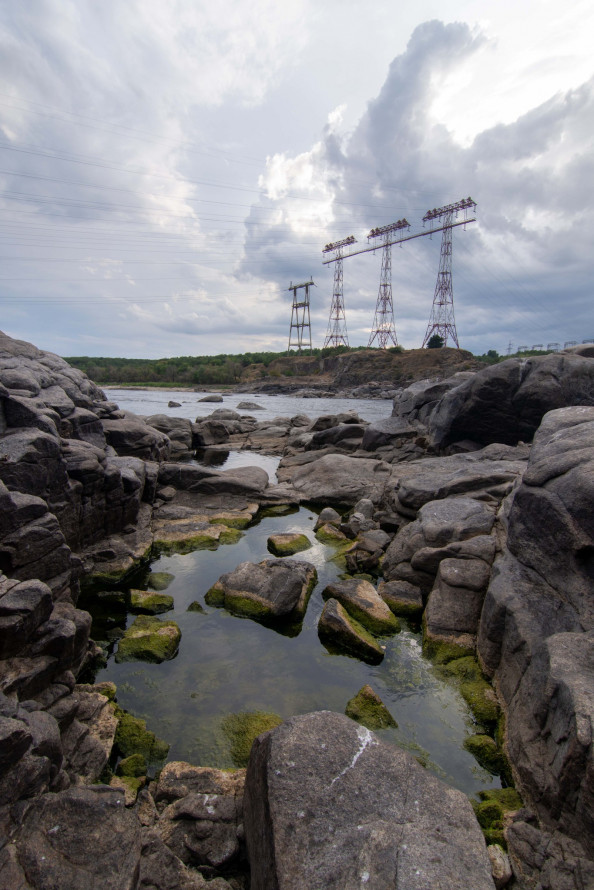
point(336, 335)
point(300, 320)
point(383, 321)
point(442, 320)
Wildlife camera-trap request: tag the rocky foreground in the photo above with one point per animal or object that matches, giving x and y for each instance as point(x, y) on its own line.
point(471, 506)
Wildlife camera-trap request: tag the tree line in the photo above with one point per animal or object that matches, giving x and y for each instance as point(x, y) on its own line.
point(187, 370)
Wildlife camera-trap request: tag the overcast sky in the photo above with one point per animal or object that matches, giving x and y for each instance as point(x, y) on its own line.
point(169, 167)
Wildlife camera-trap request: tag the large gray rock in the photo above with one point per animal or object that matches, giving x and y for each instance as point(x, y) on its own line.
point(338, 479)
point(271, 589)
point(536, 635)
point(417, 402)
point(329, 805)
point(131, 435)
point(449, 528)
point(479, 475)
point(506, 402)
point(78, 839)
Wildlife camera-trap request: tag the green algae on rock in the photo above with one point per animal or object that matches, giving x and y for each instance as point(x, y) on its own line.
point(485, 751)
point(271, 590)
point(134, 766)
point(366, 707)
point(491, 812)
point(474, 688)
point(329, 534)
point(159, 580)
point(341, 633)
point(150, 602)
point(288, 544)
point(195, 606)
point(132, 737)
point(363, 603)
point(149, 639)
point(242, 729)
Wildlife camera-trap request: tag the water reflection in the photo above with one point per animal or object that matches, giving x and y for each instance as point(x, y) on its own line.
point(227, 664)
point(210, 457)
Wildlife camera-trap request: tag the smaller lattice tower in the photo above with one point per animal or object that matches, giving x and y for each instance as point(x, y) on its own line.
point(442, 320)
point(300, 330)
point(336, 335)
point(383, 321)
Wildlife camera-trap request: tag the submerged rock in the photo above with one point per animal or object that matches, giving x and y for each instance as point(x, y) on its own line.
point(242, 729)
point(329, 805)
point(149, 639)
point(149, 602)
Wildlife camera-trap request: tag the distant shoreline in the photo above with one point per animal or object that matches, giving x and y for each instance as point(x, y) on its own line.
point(141, 388)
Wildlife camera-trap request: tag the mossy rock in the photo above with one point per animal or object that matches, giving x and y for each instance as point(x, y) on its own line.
point(485, 751)
point(185, 545)
point(367, 708)
point(329, 534)
point(242, 729)
point(474, 688)
point(489, 814)
point(495, 836)
point(342, 634)
point(230, 536)
point(288, 544)
point(132, 737)
point(134, 766)
point(278, 510)
point(507, 798)
point(149, 639)
point(160, 580)
point(481, 699)
point(196, 607)
point(441, 652)
point(112, 599)
point(466, 668)
point(147, 601)
point(232, 520)
point(215, 596)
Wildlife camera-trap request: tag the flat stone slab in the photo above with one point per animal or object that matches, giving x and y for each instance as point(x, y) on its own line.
point(330, 807)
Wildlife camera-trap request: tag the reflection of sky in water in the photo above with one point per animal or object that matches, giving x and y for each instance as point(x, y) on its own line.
point(229, 664)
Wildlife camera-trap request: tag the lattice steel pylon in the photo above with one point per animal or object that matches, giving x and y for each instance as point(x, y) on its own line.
point(383, 321)
point(442, 321)
point(300, 320)
point(336, 335)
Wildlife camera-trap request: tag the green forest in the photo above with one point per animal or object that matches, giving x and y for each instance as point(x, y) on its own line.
point(186, 370)
point(211, 370)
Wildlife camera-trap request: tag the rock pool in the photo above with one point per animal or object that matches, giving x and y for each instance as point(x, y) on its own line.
point(228, 664)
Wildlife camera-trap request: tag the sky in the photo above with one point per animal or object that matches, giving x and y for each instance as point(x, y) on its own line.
point(168, 168)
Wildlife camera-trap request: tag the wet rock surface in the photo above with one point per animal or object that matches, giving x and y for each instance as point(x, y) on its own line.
point(490, 538)
point(320, 776)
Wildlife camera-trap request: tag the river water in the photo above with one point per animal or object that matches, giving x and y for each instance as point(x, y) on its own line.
point(228, 664)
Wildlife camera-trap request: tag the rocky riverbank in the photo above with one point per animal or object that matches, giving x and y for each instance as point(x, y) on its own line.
point(471, 505)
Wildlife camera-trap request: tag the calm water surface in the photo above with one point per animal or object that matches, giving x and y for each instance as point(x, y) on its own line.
point(155, 402)
point(228, 664)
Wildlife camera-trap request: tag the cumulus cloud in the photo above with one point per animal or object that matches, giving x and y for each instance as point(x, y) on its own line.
point(137, 218)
